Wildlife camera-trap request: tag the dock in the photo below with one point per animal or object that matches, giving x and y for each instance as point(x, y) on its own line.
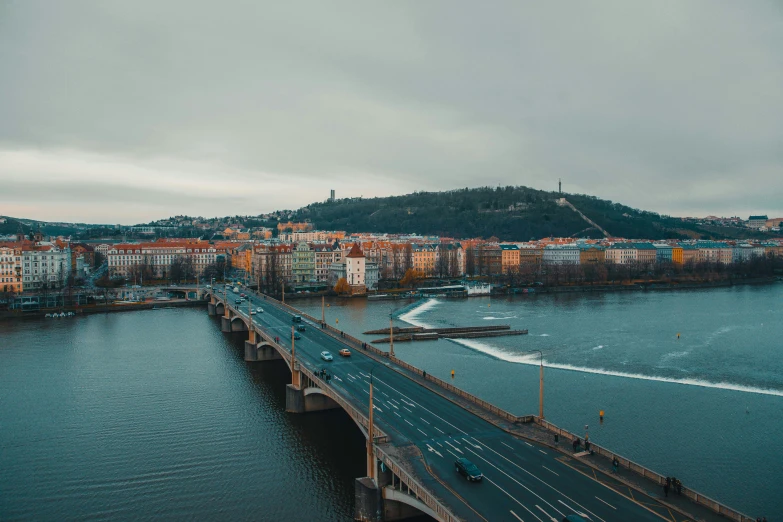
point(418, 333)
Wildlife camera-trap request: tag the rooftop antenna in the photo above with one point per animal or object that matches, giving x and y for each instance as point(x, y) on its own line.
point(560, 186)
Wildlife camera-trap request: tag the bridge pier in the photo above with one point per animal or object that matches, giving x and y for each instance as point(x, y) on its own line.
point(260, 352)
point(211, 309)
point(368, 502)
point(225, 324)
point(304, 400)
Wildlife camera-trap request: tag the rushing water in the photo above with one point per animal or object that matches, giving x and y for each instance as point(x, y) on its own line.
point(155, 415)
point(705, 407)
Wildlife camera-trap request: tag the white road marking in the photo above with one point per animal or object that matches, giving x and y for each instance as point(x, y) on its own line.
point(516, 516)
point(526, 442)
point(506, 445)
point(385, 394)
point(409, 422)
point(440, 430)
point(425, 422)
point(339, 379)
point(377, 408)
point(422, 432)
point(455, 456)
point(607, 503)
point(453, 446)
point(577, 511)
point(544, 452)
point(409, 410)
point(397, 414)
point(541, 480)
point(518, 482)
point(393, 405)
point(549, 470)
point(365, 391)
point(512, 498)
point(438, 443)
point(553, 519)
point(433, 450)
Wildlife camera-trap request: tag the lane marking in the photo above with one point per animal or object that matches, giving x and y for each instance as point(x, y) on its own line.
point(506, 445)
point(518, 482)
point(453, 446)
point(438, 443)
point(409, 422)
point(607, 503)
point(539, 479)
point(409, 410)
point(422, 432)
point(549, 470)
point(397, 414)
point(574, 510)
point(365, 391)
point(433, 450)
point(553, 519)
point(544, 452)
point(440, 430)
point(516, 516)
point(526, 442)
point(512, 498)
point(425, 422)
point(385, 394)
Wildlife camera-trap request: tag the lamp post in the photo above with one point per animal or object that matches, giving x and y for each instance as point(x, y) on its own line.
point(391, 336)
point(540, 383)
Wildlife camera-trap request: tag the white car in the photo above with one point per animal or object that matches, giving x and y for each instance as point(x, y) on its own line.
point(252, 312)
point(326, 356)
point(260, 310)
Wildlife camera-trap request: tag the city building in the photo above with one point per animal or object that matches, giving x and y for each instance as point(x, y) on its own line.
point(11, 268)
point(509, 258)
point(591, 254)
point(303, 263)
point(561, 255)
point(757, 221)
point(44, 265)
point(130, 259)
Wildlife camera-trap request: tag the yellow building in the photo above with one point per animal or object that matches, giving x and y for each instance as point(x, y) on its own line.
point(11, 268)
point(592, 254)
point(677, 255)
point(509, 258)
point(531, 256)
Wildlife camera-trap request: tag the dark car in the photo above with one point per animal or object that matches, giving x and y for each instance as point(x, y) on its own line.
point(467, 469)
point(297, 336)
point(300, 328)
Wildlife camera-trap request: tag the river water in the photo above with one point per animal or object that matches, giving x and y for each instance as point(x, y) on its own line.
point(705, 407)
point(154, 414)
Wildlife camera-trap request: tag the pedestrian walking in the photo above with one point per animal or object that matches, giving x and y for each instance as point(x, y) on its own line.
point(615, 464)
point(666, 490)
point(575, 444)
point(587, 445)
point(679, 487)
point(668, 481)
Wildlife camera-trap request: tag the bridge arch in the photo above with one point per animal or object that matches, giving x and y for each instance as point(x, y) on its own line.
point(392, 495)
point(238, 324)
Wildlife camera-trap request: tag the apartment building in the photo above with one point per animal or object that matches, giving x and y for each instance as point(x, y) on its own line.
point(125, 259)
point(11, 268)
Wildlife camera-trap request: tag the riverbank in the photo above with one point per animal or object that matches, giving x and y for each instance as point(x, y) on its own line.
point(102, 309)
point(647, 286)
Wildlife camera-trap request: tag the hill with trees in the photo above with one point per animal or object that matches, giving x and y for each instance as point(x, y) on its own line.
point(508, 213)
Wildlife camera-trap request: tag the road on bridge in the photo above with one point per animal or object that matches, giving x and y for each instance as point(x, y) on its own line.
point(523, 481)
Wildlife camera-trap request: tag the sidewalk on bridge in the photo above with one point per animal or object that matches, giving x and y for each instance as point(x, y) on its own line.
point(602, 465)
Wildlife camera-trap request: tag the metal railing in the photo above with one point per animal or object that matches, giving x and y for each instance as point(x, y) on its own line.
point(420, 491)
point(695, 496)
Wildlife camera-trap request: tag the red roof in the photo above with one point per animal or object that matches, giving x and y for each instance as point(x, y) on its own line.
point(356, 251)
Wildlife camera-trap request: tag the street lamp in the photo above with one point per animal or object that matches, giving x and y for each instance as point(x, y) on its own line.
point(540, 383)
point(391, 335)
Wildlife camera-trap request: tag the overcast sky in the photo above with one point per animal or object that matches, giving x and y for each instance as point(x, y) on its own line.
point(123, 112)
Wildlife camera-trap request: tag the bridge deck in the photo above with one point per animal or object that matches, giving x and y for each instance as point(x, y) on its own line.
point(525, 477)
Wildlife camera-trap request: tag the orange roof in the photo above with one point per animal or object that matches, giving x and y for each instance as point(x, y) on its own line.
point(356, 251)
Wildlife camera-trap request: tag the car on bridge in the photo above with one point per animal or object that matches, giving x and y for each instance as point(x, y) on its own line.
point(301, 328)
point(345, 352)
point(468, 470)
point(297, 319)
point(238, 302)
point(260, 310)
point(326, 356)
point(297, 336)
point(253, 312)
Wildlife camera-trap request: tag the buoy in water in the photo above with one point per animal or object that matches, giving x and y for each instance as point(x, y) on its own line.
point(601, 415)
point(678, 335)
point(452, 374)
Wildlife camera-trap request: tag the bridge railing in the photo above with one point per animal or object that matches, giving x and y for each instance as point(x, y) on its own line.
point(357, 415)
point(414, 485)
point(695, 496)
point(358, 344)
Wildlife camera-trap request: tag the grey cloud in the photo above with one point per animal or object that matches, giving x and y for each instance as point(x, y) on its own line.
point(643, 103)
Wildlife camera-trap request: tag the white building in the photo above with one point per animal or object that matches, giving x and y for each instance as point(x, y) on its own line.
point(561, 255)
point(44, 264)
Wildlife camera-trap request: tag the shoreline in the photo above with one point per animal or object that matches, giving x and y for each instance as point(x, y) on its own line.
point(104, 309)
